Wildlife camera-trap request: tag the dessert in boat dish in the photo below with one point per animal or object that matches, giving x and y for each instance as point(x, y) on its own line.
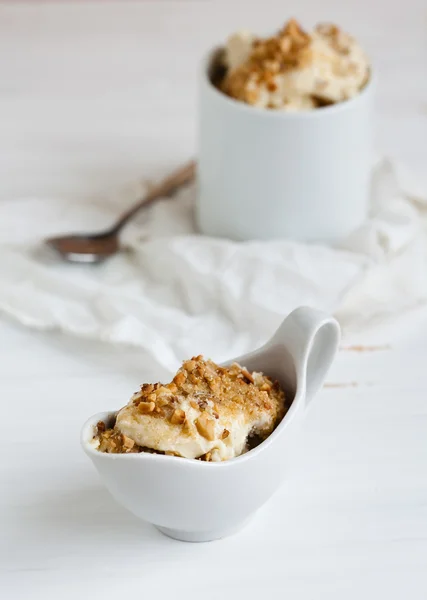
point(206, 412)
point(198, 456)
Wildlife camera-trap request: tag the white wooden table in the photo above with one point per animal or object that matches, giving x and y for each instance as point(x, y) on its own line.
point(93, 95)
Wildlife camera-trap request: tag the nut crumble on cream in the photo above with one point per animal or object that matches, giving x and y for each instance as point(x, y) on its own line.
point(207, 412)
point(294, 70)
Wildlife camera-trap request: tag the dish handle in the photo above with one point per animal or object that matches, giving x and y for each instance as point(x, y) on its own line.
point(311, 337)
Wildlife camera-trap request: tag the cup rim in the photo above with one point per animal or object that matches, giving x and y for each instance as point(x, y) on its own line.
point(318, 113)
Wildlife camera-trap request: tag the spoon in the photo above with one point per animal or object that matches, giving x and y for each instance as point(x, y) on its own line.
point(96, 247)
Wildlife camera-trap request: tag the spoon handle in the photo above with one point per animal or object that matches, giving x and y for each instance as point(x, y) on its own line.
point(167, 187)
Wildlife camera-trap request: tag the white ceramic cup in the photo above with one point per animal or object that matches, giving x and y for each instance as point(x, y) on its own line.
point(266, 174)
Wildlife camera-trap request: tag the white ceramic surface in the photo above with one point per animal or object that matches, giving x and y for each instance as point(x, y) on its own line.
point(266, 174)
point(196, 501)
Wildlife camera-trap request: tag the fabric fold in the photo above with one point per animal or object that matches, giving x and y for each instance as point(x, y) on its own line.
point(175, 293)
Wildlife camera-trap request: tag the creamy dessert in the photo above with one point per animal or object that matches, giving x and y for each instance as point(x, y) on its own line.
point(207, 412)
point(294, 70)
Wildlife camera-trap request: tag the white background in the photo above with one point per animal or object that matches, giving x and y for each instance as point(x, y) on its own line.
point(93, 95)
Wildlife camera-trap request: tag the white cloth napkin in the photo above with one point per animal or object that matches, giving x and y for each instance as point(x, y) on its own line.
point(175, 293)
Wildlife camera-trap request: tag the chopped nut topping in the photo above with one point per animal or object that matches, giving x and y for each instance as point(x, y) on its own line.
point(146, 388)
point(180, 378)
point(327, 29)
point(266, 71)
point(285, 45)
point(193, 378)
point(146, 407)
point(295, 33)
point(190, 365)
point(225, 434)
point(206, 427)
point(178, 417)
point(114, 442)
point(127, 442)
point(162, 390)
point(214, 385)
point(163, 402)
point(222, 399)
point(289, 49)
point(247, 375)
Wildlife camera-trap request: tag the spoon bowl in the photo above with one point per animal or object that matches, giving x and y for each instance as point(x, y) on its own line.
point(90, 248)
point(97, 247)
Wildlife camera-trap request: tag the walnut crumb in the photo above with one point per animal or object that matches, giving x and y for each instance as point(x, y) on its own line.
point(146, 388)
point(146, 407)
point(180, 378)
point(225, 434)
point(128, 443)
point(206, 427)
point(178, 417)
point(247, 375)
point(162, 401)
point(190, 365)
